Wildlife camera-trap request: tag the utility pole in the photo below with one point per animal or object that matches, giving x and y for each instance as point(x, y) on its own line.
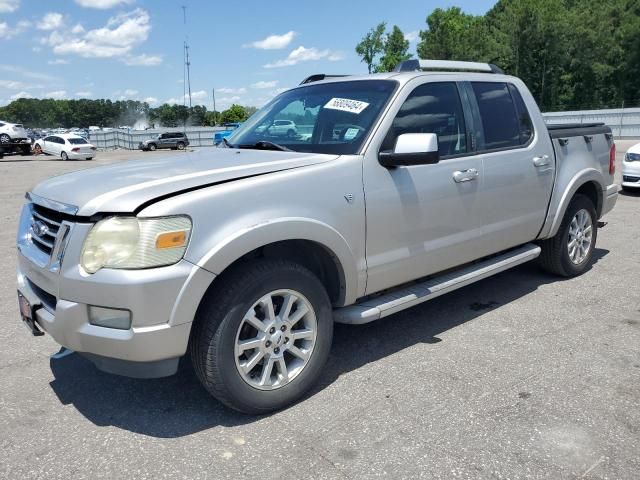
point(187, 63)
point(215, 115)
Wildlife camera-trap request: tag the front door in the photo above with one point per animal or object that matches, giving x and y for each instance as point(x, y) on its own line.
point(423, 219)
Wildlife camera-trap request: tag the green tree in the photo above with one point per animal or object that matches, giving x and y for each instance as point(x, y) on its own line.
point(235, 113)
point(453, 35)
point(394, 52)
point(371, 46)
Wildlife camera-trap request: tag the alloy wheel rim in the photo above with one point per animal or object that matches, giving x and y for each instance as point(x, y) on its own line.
point(580, 237)
point(275, 339)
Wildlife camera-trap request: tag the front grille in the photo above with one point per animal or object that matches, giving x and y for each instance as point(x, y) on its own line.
point(630, 178)
point(44, 227)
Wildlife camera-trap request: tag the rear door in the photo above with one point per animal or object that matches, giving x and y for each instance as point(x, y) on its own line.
point(420, 219)
point(519, 163)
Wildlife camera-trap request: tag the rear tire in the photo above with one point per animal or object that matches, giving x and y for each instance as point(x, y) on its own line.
point(180, 146)
point(64, 156)
point(221, 326)
point(570, 251)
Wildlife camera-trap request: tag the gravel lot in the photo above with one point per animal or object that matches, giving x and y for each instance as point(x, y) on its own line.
point(522, 375)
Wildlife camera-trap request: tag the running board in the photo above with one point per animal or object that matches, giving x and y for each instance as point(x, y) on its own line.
point(416, 293)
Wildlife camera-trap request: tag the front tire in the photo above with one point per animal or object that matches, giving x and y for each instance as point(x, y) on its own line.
point(570, 251)
point(5, 139)
point(64, 156)
point(262, 336)
point(152, 147)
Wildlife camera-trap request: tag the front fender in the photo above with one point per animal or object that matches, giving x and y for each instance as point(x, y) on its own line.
point(230, 249)
point(562, 196)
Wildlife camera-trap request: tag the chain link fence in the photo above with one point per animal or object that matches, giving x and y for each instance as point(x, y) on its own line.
point(624, 122)
point(130, 139)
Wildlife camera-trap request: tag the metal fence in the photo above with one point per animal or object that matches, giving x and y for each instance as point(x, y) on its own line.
point(129, 139)
point(623, 122)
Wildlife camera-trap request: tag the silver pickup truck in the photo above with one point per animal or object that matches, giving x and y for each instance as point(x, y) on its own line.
point(398, 187)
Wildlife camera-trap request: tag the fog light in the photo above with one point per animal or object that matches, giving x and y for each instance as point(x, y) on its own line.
point(110, 317)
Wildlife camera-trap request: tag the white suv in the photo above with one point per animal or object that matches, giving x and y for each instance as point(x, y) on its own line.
point(284, 128)
point(11, 132)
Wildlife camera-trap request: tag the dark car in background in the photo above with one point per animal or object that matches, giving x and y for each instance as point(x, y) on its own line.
point(173, 140)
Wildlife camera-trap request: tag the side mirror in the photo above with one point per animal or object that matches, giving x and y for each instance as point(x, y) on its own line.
point(412, 149)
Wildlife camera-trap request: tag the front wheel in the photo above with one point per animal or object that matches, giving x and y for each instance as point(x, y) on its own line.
point(570, 252)
point(64, 156)
point(262, 336)
point(5, 139)
point(152, 147)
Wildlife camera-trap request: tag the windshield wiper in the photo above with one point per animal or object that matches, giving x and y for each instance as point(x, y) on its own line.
point(265, 145)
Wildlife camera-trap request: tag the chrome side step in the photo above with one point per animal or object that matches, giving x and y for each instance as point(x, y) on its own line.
point(397, 300)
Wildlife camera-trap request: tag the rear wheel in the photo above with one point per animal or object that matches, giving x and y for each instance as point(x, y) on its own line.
point(570, 252)
point(64, 156)
point(262, 336)
point(37, 149)
point(291, 133)
point(180, 146)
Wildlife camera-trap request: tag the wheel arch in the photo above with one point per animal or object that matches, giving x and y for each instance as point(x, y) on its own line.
point(313, 244)
point(588, 182)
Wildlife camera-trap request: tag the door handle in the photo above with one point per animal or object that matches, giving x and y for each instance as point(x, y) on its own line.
point(541, 161)
point(460, 176)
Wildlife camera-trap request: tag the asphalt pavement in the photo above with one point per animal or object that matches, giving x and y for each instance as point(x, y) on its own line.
point(522, 375)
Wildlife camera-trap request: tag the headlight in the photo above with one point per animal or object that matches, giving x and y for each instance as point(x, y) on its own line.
point(134, 243)
point(632, 157)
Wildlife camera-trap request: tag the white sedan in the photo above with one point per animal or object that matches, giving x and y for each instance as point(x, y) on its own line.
point(65, 146)
point(631, 168)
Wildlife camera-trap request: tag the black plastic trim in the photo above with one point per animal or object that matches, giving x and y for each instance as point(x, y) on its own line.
point(577, 130)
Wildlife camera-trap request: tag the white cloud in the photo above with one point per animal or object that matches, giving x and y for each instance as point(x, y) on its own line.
point(13, 85)
point(302, 54)
point(83, 94)
point(412, 37)
point(142, 60)
point(20, 95)
point(273, 42)
point(57, 94)
point(8, 6)
point(103, 4)
point(58, 61)
point(36, 49)
point(151, 100)
point(263, 84)
point(278, 91)
point(7, 32)
point(231, 91)
point(26, 73)
point(51, 21)
point(130, 92)
point(195, 97)
point(121, 33)
point(77, 29)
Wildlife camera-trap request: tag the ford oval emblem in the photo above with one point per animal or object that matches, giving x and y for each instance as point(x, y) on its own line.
point(39, 228)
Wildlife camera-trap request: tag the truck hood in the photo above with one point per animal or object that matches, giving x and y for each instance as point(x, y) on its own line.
point(123, 187)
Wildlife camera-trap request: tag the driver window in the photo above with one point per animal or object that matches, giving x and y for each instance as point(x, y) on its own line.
point(432, 108)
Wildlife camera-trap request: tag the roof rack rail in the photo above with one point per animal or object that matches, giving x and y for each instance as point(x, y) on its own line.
point(319, 76)
point(416, 65)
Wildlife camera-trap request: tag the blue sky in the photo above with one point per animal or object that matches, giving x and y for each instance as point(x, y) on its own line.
point(133, 49)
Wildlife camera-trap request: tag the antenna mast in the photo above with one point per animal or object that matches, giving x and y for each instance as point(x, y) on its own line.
point(187, 63)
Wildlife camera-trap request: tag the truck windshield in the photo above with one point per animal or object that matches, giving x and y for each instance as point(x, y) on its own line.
point(332, 118)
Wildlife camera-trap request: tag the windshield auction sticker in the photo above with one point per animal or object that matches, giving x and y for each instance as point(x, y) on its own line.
point(346, 105)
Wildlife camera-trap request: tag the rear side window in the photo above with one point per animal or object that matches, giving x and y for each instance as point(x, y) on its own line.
point(499, 116)
point(526, 127)
point(432, 108)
